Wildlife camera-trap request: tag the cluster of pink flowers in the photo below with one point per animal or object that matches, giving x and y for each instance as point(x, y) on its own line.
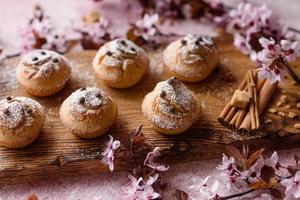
point(146, 27)
point(108, 153)
point(40, 33)
point(143, 190)
point(139, 186)
point(257, 32)
point(165, 8)
point(254, 175)
point(139, 189)
point(93, 35)
point(274, 57)
point(249, 22)
point(232, 174)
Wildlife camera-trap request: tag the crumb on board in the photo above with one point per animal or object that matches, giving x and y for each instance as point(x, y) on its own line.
point(282, 114)
point(268, 121)
point(272, 110)
point(292, 115)
point(297, 126)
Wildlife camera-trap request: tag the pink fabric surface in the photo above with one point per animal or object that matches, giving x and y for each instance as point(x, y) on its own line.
point(14, 14)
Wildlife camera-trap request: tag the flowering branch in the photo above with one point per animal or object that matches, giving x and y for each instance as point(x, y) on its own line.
point(236, 195)
point(249, 173)
point(146, 31)
point(144, 177)
point(40, 33)
point(92, 31)
point(108, 153)
point(289, 70)
point(257, 32)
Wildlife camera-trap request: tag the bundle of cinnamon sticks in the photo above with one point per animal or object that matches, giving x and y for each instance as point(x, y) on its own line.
point(247, 119)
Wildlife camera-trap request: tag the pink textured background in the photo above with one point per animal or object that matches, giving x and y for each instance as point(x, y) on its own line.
point(14, 13)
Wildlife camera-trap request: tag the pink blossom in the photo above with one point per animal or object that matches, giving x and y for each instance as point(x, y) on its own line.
point(248, 18)
point(227, 163)
point(146, 27)
point(292, 186)
point(242, 43)
point(56, 42)
point(96, 32)
point(108, 153)
point(271, 75)
point(40, 33)
point(268, 58)
point(150, 161)
point(205, 190)
point(273, 56)
point(273, 161)
point(249, 22)
point(42, 26)
point(254, 171)
point(34, 33)
point(132, 186)
point(149, 193)
point(291, 50)
point(136, 189)
point(232, 174)
point(264, 197)
point(28, 39)
point(217, 12)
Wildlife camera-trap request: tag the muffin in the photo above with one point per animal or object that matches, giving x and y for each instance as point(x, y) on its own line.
point(120, 63)
point(171, 107)
point(43, 72)
point(88, 112)
point(191, 58)
point(21, 120)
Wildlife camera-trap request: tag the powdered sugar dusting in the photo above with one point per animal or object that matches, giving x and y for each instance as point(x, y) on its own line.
point(87, 98)
point(17, 111)
point(119, 53)
point(11, 115)
point(176, 96)
point(172, 98)
point(41, 64)
point(193, 48)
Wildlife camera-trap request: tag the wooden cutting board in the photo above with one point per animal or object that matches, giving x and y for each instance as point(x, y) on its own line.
point(58, 153)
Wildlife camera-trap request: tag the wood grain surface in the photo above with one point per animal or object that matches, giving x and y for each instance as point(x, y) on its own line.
point(58, 153)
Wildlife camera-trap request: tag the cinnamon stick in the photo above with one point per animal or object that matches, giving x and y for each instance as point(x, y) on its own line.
point(256, 105)
point(243, 112)
point(233, 123)
point(252, 92)
point(265, 94)
point(228, 111)
point(233, 120)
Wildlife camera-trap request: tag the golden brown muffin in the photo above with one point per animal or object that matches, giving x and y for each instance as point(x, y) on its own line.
point(191, 58)
point(43, 72)
point(171, 107)
point(120, 63)
point(21, 120)
point(88, 112)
